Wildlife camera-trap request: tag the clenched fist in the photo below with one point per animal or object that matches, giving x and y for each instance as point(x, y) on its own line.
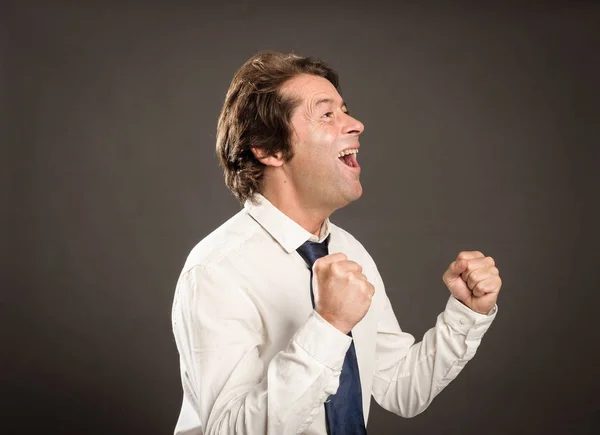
point(344, 294)
point(474, 280)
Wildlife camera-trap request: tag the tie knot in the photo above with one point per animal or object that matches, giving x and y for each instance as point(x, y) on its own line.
point(312, 251)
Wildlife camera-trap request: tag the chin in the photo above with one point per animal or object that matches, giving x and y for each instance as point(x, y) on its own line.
point(358, 193)
point(353, 195)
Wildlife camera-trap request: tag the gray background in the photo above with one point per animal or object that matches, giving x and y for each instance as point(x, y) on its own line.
point(481, 133)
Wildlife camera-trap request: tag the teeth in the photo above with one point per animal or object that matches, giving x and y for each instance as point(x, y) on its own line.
point(346, 152)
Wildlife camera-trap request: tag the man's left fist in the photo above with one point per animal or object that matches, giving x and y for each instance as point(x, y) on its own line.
point(474, 280)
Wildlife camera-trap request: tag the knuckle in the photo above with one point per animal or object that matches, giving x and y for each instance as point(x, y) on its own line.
point(361, 279)
point(473, 281)
point(319, 266)
point(335, 268)
point(445, 277)
point(486, 286)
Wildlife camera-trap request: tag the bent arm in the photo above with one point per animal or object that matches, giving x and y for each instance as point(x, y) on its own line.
point(408, 375)
point(220, 337)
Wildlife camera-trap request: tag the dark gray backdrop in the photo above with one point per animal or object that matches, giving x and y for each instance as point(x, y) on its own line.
point(481, 133)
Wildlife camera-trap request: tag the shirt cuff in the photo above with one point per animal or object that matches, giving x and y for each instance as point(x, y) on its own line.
point(462, 319)
point(323, 341)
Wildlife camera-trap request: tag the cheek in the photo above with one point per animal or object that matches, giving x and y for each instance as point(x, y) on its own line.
point(323, 136)
point(316, 147)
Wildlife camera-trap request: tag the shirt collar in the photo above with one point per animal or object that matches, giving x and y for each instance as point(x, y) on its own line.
point(283, 229)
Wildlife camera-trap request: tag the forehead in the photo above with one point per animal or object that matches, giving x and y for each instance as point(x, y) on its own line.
point(310, 88)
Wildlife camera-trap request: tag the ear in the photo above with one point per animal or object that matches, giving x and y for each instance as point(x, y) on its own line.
point(267, 160)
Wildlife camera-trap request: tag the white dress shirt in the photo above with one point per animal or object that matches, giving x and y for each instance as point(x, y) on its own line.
point(257, 359)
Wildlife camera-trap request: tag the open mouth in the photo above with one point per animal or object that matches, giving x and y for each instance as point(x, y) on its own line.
point(348, 157)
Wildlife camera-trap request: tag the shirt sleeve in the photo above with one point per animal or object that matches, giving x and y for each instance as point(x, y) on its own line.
point(219, 336)
point(409, 375)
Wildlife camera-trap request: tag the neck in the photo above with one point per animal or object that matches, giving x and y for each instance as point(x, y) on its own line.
point(311, 219)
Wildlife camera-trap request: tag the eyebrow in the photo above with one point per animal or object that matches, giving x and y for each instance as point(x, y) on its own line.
point(330, 101)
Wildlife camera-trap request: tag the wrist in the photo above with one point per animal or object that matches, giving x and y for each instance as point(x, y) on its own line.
point(485, 312)
point(339, 325)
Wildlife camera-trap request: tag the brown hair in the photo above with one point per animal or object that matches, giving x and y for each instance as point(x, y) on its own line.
point(256, 114)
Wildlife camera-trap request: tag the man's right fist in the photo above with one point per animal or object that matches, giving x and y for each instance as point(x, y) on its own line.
point(343, 294)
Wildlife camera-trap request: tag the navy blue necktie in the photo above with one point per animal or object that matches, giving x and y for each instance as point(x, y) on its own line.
point(343, 410)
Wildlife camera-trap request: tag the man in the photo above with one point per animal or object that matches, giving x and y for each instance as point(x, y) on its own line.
point(281, 318)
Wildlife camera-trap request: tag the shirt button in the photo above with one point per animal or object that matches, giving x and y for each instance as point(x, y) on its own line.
point(462, 321)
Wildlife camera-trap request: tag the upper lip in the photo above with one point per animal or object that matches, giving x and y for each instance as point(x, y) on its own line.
point(354, 147)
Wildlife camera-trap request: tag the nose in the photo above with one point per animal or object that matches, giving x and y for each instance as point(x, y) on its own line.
point(353, 126)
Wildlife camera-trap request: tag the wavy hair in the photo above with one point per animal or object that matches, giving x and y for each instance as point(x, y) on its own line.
point(256, 114)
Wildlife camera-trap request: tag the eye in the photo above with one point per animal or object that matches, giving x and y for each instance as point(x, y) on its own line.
point(328, 115)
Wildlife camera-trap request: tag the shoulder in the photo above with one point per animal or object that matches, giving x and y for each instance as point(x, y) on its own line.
point(224, 241)
point(356, 251)
point(353, 247)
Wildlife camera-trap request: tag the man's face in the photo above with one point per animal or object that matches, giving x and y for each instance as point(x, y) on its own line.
point(321, 130)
